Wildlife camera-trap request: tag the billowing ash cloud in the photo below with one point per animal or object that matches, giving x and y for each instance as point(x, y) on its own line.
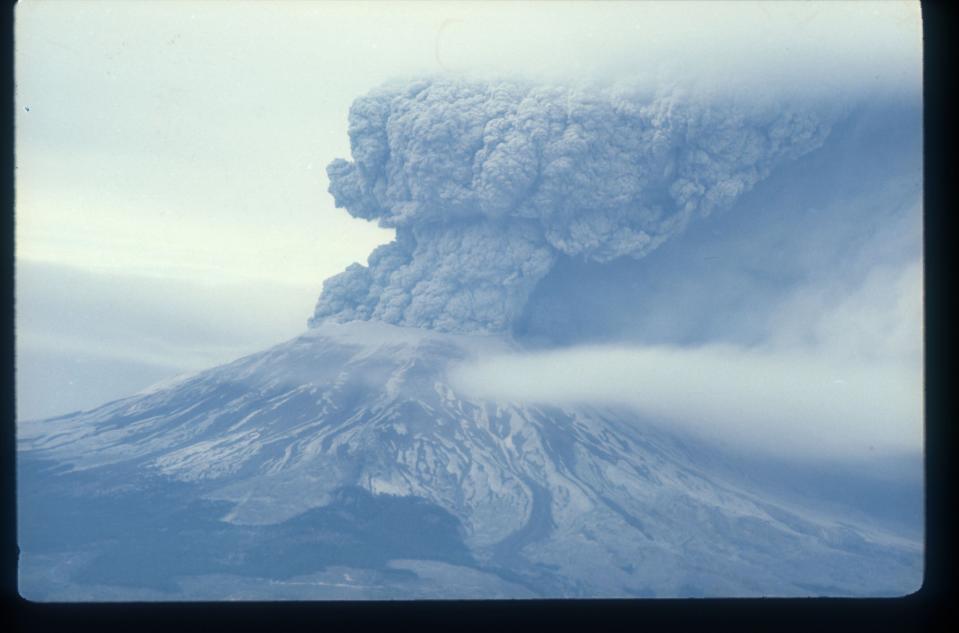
point(488, 183)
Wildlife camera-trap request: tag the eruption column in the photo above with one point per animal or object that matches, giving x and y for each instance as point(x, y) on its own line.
point(487, 184)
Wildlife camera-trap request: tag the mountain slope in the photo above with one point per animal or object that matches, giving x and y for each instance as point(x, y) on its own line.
point(342, 464)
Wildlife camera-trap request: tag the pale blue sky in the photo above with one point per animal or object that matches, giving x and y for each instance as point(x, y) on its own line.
point(190, 139)
point(171, 155)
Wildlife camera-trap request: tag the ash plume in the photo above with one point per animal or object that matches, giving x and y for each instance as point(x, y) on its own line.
point(488, 183)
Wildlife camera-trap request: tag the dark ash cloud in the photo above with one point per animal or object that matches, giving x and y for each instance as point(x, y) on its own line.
point(486, 184)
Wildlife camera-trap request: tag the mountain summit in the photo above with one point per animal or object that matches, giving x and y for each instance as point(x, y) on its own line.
point(342, 464)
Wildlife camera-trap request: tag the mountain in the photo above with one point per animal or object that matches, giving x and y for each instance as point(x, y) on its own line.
point(343, 464)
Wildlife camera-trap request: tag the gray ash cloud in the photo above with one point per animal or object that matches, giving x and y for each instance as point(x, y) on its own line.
point(488, 183)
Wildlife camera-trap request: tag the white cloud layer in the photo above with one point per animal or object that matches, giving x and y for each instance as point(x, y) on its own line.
point(846, 383)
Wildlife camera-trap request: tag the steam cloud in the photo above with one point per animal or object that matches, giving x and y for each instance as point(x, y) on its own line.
point(486, 184)
point(842, 378)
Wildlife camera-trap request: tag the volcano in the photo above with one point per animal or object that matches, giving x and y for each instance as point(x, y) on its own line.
point(348, 463)
point(342, 464)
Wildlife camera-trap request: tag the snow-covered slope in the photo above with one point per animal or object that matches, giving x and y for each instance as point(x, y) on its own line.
point(341, 464)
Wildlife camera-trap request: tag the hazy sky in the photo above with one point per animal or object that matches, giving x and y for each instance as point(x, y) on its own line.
point(171, 155)
point(190, 139)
